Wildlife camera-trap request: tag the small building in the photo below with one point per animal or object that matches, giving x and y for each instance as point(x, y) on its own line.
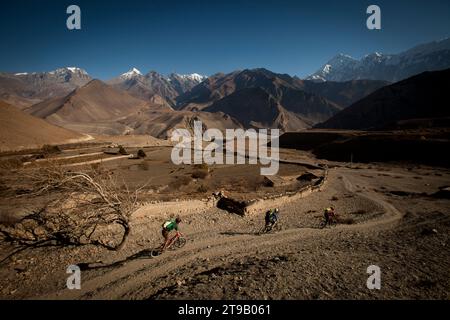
point(274, 181)
point(307, 176)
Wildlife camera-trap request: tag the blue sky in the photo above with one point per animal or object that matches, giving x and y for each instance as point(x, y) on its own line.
point(294, 37)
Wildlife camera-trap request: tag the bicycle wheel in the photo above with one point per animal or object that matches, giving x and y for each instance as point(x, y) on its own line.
point(179, 243)
point(322, 224)
point(155, 253)
point(261, 231)
point(273, 229)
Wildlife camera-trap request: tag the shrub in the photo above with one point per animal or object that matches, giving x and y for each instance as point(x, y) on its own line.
point(141, 153)
point(203, 166)
point(202, 189)
point(50, 149)
point(122, 150)
point(199, 174)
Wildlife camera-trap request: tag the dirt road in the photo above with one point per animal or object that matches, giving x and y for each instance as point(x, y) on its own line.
point(225, 259)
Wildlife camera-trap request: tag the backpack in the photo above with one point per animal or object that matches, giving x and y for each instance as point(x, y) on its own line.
point(274, 216)
point(271, 215)
point(166, 224)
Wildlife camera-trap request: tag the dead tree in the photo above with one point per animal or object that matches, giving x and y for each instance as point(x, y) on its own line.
point(75, 208)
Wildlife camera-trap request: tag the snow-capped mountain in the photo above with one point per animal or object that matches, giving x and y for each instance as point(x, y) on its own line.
point(24, 88)
point(148, 87)
point(73, 75)
point(132, 73)
point(185, 82)
point(388, 67)
point(73, 70)
point(155, 84)
point(192, 77)
point(343, 63)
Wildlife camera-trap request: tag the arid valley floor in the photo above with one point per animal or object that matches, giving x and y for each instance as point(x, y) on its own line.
point(397, 222)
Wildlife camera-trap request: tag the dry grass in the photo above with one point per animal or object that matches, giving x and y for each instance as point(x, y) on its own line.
point(12, 163)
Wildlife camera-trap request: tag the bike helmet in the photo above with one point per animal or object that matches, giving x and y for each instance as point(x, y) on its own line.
point(277, 210)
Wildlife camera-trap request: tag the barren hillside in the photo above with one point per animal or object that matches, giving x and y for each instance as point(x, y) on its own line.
point(21, 131)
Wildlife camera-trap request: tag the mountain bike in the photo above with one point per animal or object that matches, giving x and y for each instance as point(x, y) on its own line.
point(176, 242)
point(270, 228)
point(332, 222)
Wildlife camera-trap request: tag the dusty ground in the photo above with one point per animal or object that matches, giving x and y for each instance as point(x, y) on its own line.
point(224, 258)
point(163, 180)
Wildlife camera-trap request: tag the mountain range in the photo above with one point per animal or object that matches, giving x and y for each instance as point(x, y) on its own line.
point(420, 97)
point(261, 98)
point(388, 67)
point(96, 101)
point(155, 104)
point(156, 86)
point(25, 89)
point(98, 108)
point(251, 98)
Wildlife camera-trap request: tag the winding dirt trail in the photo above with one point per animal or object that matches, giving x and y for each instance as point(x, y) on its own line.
point(232, 238)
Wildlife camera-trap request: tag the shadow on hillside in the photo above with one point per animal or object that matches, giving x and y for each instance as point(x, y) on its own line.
point(143, 254)
point(232, 233)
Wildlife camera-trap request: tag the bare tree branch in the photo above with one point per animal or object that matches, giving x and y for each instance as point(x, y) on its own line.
point(83, 207)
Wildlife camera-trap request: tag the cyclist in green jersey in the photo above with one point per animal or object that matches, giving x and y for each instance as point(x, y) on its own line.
point(167, 228)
